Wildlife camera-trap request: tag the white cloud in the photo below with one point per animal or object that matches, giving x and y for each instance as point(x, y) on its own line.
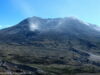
point(33, 26)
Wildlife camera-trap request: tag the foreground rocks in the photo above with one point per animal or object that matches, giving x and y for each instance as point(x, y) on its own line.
point(8, 68)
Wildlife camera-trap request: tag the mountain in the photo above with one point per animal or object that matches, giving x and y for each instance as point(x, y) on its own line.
point(65, 41)
point(36, 29)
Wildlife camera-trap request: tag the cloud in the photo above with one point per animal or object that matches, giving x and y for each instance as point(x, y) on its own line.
point(33, 26)
point(27, 10)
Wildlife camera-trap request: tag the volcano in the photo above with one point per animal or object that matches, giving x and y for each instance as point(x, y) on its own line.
point(37, 40)
point(56, 29)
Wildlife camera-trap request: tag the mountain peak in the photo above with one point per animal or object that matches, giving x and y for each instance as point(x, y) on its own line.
point(66, 23)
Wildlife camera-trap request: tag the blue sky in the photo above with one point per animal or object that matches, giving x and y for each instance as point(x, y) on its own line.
point(13, 11)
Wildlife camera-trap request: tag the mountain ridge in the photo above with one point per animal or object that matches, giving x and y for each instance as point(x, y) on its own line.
point(63, 26)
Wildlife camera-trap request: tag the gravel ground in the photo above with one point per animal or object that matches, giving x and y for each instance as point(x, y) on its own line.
point(88, 74)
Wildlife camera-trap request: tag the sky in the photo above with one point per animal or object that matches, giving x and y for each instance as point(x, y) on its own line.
point(14, 11)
